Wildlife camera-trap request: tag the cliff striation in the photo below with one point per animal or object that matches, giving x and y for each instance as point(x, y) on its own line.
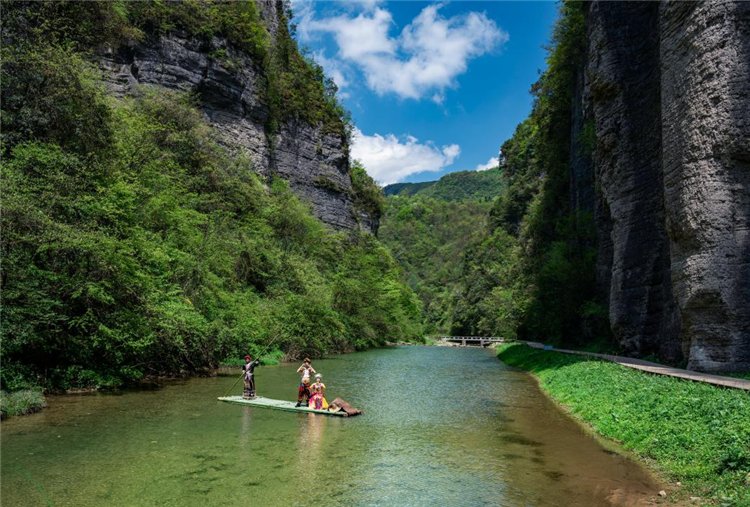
point(232, 89)
point(666, 89)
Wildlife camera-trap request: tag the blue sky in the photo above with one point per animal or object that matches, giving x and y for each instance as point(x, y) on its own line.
point(432, 87)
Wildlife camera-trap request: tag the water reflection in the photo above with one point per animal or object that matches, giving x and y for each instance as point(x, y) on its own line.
point(246, 426)
point(311, 443)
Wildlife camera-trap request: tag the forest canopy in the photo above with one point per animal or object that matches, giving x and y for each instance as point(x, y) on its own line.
point(134, 244)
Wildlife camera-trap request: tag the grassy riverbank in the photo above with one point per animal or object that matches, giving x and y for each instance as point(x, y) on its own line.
point(693, 433)
point(25, 401)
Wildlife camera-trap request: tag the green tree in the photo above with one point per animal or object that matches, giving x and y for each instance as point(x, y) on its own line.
point(134, 244)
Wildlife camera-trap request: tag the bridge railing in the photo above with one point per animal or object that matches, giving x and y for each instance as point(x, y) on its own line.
point(467, 340)
point(473, 338)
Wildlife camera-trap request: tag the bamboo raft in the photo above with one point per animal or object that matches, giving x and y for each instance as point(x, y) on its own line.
point(289, 406)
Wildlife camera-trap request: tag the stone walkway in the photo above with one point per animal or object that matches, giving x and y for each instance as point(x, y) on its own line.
point(658, 369)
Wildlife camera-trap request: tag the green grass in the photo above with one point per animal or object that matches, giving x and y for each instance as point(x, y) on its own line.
point(693, 433)
point(25, 401)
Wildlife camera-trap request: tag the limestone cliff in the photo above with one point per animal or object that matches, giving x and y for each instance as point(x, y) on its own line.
point(230, 86)
point(666, 87)
point(623, 88)
point(705, 102)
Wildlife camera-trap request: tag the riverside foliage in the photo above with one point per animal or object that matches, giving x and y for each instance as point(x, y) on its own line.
point(25, 401)
point(134, 244)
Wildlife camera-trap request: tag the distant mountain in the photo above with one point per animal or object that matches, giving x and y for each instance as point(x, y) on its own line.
point(406, 188)
point(458, 186)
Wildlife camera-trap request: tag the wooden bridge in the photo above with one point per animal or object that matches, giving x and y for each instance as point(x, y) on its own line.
point(482, 341)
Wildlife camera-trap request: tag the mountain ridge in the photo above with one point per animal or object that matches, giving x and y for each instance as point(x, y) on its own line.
point(455, 186)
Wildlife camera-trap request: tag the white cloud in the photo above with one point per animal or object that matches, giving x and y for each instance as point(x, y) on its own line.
point(422, 61)
point(333, 69)
point(303, 14)
point(366, 4)
point(452, 151)
point(365, 35)
point(389, 159)
point(490, 164)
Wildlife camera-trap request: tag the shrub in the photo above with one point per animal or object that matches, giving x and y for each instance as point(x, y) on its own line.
point(134, 244)
point(171, 255)
point(50, 93)
point(26, 401)
point(368, 196)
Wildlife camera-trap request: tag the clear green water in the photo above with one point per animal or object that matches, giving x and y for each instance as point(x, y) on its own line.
point(442, 426)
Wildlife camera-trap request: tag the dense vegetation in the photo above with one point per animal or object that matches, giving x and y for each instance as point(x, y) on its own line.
point(458, 186)
point(695, 433)
point(533, 274)
point(133, 244)
point(368, 196)
point(429, 237)
point(529, 272)
point(429, 227)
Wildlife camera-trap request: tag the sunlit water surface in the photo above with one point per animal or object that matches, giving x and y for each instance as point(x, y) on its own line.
point(442, 426)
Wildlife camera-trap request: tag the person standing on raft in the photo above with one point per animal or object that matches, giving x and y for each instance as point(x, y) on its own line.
point(303, 391)
point(318, 390)
point(248, 377)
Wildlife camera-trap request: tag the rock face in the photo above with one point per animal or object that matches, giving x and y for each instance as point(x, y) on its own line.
point(317, 168)
point(667, 86)
point(705, 101)
point(230, 91)
point(624, 85)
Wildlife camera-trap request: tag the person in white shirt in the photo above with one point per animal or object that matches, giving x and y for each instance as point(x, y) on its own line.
point(303, 391)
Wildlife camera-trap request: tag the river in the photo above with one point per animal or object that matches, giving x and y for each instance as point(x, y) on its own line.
point(442, 426)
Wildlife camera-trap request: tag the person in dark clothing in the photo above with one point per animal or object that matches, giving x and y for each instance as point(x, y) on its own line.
point(248, 377)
